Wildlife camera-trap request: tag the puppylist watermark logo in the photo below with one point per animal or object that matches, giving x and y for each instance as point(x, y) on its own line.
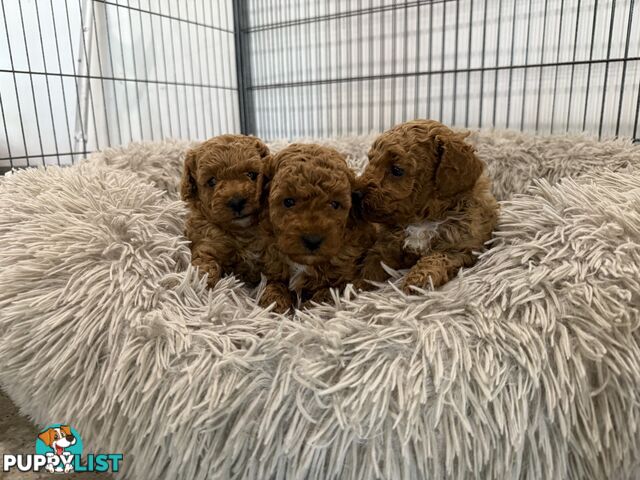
point(59, 450)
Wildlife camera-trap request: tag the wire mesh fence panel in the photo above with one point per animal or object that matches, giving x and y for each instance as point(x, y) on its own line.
point(336, 67)
point(80, 75)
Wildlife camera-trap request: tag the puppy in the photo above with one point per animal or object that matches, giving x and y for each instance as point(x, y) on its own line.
point(317, 241)
point(425, 186)
point(222, 185)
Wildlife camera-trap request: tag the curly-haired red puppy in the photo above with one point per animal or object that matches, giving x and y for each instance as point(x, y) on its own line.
point(222, 185)
point(318, 241)
point(425, 186)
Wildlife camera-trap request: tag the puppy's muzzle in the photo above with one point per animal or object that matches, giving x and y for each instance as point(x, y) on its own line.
point(312, 242)
point(237, 204)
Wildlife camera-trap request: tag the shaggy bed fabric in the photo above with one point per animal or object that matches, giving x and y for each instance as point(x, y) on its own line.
point(525, 366)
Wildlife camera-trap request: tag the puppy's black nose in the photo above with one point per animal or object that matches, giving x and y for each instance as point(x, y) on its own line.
point(237, 204)
point(312, 242)
point(357, 195)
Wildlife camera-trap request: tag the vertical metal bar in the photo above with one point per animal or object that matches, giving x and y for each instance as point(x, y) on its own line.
point(444, 27)
point(198, 107)
point(555, 81)
point(526, 67)
point(544, 37)
point(416, 105)
point(15, 83)
point(228, 102)
point(155, 67)
point(405, 61)
point(193, 91)
point(209, 81)
point(381, 122)
point(113, 82)
point(64, 95)
point(339, 63)
point(349, 46)
point(87, 62)
point(33, 91)
point(175, 69)
point(273, 124)
point(124, 74)
point(166, 77)
point(455, 73)
point(104, 100)
point(318, 110)
point(283, 103)
point(606, 69)
point(573, 66)
point(146, 72)
point(469, 46)
point(371, 82)
point(46, 76)
point(593, 35)
point(308, 73)
point(6, 133)
point(360, 86)
point(513, 41)
point(73, 63)
point(624, 65)
point(135, 69)
point(497, 71)
point(214, 62)
point(484, 49)
point(637, 120)
point(394, 63)
point(304, 110)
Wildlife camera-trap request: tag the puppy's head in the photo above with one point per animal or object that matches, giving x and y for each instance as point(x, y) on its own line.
point(222, 178)
point(58, 438)
point(413, 166)
point(309, 193)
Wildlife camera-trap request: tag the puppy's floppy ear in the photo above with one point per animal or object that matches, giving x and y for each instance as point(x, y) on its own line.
point(189, 186)
point(269, 168)
point(355, 213)
point(47, 436)
point(263, 150)
point(458, 167)
point(271, 165)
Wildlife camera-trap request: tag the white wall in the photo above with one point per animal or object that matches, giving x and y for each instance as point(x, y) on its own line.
point(422, 38)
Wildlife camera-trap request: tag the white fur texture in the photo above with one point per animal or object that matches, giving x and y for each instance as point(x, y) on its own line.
point(526, 366)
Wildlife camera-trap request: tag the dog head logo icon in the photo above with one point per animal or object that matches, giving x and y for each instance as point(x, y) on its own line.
point(60, 443)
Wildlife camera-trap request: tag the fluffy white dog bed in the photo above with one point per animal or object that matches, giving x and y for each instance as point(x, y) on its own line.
point(525, 366)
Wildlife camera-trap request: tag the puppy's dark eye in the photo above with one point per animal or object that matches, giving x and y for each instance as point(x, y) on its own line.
point(397, 171)
point(252, 175)
point(288, 202)
point(335, 205)
point(211, 182)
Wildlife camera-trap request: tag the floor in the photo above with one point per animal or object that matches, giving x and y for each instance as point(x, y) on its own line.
point(19, 436)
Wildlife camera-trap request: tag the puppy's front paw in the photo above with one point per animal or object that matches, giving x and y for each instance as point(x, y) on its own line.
point(422, 277)
point(276, 293)
point(212, 269)
point(363, 285)
point(320, 296)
